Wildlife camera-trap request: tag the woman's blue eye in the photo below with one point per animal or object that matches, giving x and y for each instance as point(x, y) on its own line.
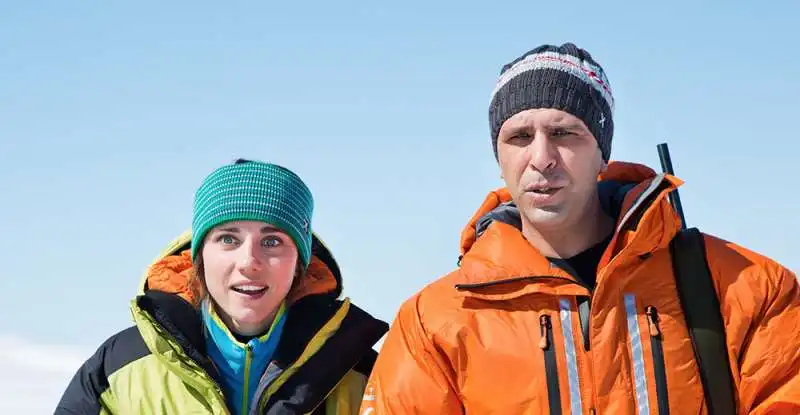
point(271, 242)
point(227, 239)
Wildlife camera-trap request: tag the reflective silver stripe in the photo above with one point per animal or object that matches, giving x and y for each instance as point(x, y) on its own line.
point(639, 377)
point(637, 203)
point(572, 359)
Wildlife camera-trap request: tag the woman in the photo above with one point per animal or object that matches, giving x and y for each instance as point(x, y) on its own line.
point(239, 316)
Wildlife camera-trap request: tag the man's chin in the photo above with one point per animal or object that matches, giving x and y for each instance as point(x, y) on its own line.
point(549, 217)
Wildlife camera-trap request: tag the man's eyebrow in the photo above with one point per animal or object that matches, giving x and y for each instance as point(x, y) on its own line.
point(516, 130)
point(568, 124)
point(269, 228)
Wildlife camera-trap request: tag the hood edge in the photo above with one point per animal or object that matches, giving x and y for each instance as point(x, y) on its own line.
point(183, 242)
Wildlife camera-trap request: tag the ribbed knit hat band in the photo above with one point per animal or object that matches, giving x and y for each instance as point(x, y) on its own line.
point(253, 190)
point(559, 77)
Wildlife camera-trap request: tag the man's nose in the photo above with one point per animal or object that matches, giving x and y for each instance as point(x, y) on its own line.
point(543, 155)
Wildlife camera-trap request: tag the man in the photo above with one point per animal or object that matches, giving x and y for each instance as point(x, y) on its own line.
point(564, 300)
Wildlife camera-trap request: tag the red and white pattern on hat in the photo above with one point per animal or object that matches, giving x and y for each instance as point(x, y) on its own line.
point(582, 69)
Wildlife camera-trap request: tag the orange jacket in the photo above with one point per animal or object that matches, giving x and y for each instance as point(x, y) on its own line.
point(502, 334)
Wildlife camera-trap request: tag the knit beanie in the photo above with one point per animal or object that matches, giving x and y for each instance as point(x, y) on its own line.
point(254, 190)
point(560, 77)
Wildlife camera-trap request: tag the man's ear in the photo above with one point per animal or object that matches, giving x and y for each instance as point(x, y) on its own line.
point(603, 163)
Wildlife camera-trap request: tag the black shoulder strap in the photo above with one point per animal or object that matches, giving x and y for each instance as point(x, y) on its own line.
point(704, 318)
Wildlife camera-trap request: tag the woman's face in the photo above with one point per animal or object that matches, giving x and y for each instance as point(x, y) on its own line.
point(248, 267)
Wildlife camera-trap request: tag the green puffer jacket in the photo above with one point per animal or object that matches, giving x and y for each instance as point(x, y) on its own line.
point(159, 365)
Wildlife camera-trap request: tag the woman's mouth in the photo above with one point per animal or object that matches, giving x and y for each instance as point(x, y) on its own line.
point(251, 291)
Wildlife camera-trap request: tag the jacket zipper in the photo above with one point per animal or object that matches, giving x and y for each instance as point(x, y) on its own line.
point(248, 357)
point(656, 344)
point(550, 367)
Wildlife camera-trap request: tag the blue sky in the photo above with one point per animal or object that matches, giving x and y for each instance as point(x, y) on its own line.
point(112, 113)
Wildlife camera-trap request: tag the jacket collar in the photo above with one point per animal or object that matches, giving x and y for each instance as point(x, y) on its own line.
point(230, 349)
point(497, 261)
point(173, 317)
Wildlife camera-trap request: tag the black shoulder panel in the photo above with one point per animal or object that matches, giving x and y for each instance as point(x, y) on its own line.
point(126, 347)
point(367, 362)
point(82, 395)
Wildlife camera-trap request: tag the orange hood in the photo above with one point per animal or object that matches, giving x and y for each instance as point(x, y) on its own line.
point(493, 247)
point(172, 272)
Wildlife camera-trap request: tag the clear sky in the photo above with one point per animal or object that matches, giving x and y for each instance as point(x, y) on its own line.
point(111, 114)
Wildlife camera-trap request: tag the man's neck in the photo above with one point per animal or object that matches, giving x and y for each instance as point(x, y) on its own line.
point(591, 229)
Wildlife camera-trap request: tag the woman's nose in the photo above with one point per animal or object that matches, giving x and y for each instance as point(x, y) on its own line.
point(250, 261)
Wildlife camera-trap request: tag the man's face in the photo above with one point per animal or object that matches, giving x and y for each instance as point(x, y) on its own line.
point(550, 163)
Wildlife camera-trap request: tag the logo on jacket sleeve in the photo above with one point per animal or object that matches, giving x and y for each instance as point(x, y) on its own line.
point(368, 402)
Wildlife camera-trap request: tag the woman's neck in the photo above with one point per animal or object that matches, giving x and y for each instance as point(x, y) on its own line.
point(244, 332)
point(240, 333)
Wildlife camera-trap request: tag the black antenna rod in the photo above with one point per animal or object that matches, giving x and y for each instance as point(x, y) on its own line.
point(666, 166)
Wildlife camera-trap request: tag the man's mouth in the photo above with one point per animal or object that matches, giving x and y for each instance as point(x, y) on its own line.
point(545, 190)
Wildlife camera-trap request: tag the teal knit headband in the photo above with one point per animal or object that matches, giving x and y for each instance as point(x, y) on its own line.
point(253, 190)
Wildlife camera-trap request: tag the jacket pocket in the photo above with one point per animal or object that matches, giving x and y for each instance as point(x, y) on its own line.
point(550, 364)
point(637, 336)
point(659, 369)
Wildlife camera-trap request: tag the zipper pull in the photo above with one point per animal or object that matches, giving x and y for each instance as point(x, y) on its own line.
point(544, 324)
point(652, 320)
